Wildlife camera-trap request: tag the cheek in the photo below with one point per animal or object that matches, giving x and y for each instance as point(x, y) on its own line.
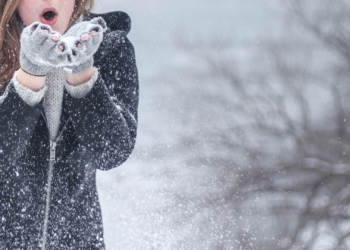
point(67, 7)
point(26, 10)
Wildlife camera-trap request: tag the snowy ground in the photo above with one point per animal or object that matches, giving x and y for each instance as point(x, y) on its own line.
point(145, 202)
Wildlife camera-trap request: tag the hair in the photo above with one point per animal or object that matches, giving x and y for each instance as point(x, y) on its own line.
point(11, 26)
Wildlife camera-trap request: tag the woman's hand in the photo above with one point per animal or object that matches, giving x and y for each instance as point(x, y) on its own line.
point(41, 49)
point(82, 41)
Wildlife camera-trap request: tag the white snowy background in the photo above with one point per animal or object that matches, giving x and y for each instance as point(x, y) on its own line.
point(244, 127)
point(157, 199)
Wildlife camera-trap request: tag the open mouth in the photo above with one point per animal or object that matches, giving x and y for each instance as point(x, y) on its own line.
point(49, 16)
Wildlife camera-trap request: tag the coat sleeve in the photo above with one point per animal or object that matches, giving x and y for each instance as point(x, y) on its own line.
point(105, 119)
point(17, 122)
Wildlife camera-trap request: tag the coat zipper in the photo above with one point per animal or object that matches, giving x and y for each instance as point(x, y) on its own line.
point(48, 192)
point(53, 144)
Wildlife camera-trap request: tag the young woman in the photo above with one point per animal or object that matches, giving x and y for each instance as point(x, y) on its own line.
point(68, 106)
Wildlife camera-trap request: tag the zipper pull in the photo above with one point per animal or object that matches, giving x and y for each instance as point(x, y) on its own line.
point(52, 150)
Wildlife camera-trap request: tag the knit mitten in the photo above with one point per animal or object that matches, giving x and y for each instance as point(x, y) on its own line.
point(83, 40)
point(41, 49)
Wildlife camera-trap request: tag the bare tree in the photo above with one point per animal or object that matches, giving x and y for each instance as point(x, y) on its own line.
point(279, 130)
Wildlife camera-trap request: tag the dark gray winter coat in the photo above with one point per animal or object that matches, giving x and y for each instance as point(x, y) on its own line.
point(97, 131)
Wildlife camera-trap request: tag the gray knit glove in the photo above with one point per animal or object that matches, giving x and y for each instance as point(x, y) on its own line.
point(83, 40)
point(41, 49)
